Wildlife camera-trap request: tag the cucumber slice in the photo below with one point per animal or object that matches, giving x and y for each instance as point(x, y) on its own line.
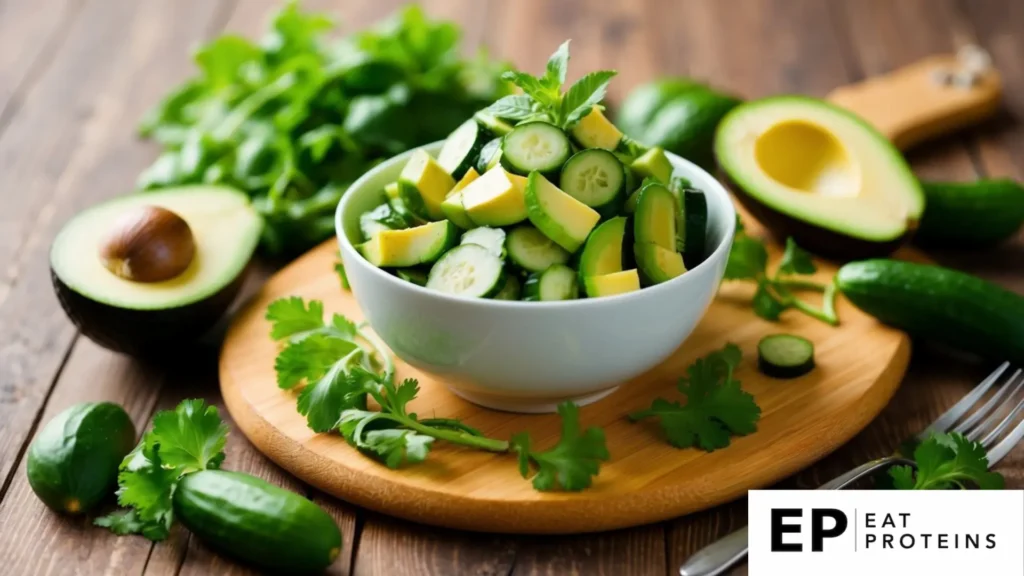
point(655, 218)
point(452, 206)
point(532, 251)
point(612, 284)
point(469, 270)
point(462, 148)
point(492, 123)
point(594, 177)
point(511, 289)
point(491, 238)
point(596, 131)
point(417, 276)
point(695, 213)
point(409, 247)
point(658, 264)
point(535, 146)
point(653, 164)
point(383, 217)
point(558, 215)
point(495, 199)
point(785, 356)
point(489, 156)
point(423, 185)
point(558, 282)
point(602, 253)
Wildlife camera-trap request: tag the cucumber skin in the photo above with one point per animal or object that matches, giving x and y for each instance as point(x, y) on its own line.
point(73, 462)
point(248, 518)
point(947, 306)
point(970, 214)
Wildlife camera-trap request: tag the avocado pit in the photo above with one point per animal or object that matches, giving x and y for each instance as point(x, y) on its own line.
point(148, 244)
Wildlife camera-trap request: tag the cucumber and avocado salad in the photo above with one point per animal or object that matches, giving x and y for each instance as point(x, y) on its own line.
point(490, 156)
point(495, 199)
point(468, 270)
point(695, 224)
point(462, 148)
point(511, 290)
point(654, 221)
point(653, 164)
point(947, 306)
point(658, 264)
point(411, 246)
point(558, 215)
point(595, 131)
point(970, 214)
point(423, 186)
point(785, 356)
point(535, 147)
point(529, 249)
point(416, 275)
point(259, 523)
point(491, 238)
point(73, 462)
point(558, 282)
point(612, 284)
point(596, 178)
point(383, 217)
point(453, 208)
point(492, 123)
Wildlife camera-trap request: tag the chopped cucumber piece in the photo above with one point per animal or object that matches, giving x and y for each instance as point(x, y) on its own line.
point(423, 186)
point(409, 247)
point(417, 276)
point(695, 215)
point(489, 157)
point(491, 238)
point(602, 254)
point(495, 199)
point(595, 131)
point(511, 289)
point(452, 205)
point(612, 284)
point(492, 123)
point(391, 191)
point(468, 270)
point(655, 218)
point(558, 215)
point(462, 148)
point(383, 217)
point(785, 356)
point(653, 164)
point(658, 264)
point(532, 251)
point(558, 282)
point(535, 146)
point(594, 177)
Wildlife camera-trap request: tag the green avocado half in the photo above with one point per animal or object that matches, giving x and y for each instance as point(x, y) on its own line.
point(808, 169)
point(146, 273)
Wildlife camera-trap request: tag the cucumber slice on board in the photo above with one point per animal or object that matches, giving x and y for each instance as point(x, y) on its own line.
point(602, 254)
point(495, 199)
point(594, 177)
point(558, 282)
point(654, 221)
point(468, 270)
point(491, 238)
point(658, 264)
point(612, 284)
point(785, 356)
point(511, 290)
point(489, 156)
point(462, 148)
point(595, 131)
point(558, 215)
point(695, 217)
point(532, 251)
point(409, 247)
point(535, 146)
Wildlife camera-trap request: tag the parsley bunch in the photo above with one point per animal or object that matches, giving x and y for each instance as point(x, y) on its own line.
point(947, 461)
point(184, 440)
point(748, 260)
point(341, 366)
point(716, 407)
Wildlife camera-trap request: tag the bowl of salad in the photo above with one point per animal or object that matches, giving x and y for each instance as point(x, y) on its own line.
point(527, 261)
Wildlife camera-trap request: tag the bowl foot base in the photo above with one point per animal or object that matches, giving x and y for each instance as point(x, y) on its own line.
point(526, 405)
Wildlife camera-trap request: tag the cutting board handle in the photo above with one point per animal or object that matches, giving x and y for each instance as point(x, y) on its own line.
point(929, 98)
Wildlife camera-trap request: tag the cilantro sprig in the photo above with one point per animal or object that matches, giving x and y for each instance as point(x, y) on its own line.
point(748, 260)
point(945, 461)
point(543, 99)
point(716, 407)
point(184, 440)
point(340, 367)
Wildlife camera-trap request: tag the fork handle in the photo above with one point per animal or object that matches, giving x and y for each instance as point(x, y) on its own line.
point(840, 482)
point(717, 557)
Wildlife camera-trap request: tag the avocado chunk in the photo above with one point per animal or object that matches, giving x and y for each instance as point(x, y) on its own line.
point(653, 164)
point(411, 246)
point(99, 285)
point(562, 218)
point(658, 264)
point(423, 185)
point(595, 131)
point(452, 206)
point(602, 253)
point(612, 284)
point(811, 170)
point(655, 217)
point(495, 199)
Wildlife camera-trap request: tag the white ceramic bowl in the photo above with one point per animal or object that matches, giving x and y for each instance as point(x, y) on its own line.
point(529, 356)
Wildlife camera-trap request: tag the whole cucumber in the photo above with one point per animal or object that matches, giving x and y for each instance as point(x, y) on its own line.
point(254, 521)
point(947, 306)
point(72, 463)
point(970, 214)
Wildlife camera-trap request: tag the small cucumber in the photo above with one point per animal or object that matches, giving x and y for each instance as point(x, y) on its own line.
point(970, 214)
point(951, 307)
point(252, 520)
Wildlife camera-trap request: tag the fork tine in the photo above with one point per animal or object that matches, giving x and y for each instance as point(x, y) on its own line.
point(945, 422)
point(1003, 448)
point(1001, 427)
point(1008, 389)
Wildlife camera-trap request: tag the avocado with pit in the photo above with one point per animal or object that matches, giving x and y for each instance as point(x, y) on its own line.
point(146, 273)
point(811, 170)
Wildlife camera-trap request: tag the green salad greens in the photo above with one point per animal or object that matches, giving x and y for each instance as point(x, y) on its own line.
point(293, 120)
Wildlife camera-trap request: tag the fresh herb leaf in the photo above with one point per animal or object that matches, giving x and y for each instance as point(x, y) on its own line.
point(946, 461)
point(747, 259)
point(572, 463)
point(291, 316)
point(342, 387)
point(716, 407)
point(766, 305)
point(192, 437)
point(558, 65)
point(122, 523)
point(534, 88)
point(514, 107)
point(397, 447)
point(796, 260)
point(582, 96)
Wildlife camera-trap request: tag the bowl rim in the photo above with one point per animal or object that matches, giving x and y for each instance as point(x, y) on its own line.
point(349, 249)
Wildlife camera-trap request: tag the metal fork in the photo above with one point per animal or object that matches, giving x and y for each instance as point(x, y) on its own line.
point(986, 425)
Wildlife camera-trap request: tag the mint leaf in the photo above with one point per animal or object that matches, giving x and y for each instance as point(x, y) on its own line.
point(533, 87)
point(558, 65)
point(572, 463)
point(191, 437)
point(514, 107)
point(582, 96)
point(796, 260)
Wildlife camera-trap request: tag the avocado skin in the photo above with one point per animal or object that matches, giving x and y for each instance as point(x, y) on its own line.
point(145, 333)
point(815, 239)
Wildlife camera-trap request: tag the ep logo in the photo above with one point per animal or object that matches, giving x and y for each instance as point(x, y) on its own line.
point(824, 523)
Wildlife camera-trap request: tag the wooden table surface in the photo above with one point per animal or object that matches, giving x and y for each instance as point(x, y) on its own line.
point(76, 75)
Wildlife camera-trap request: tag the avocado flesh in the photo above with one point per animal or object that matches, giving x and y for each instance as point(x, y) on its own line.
point(818, 173)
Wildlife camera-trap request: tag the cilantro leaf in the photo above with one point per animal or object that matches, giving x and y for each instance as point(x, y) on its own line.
point(322, 402)
point(766, 305)
point(145, 485)
point(572, 463)
point(122, 523)
point(558, 65)
point(747, 259)
point(191, 437)
point(309, 359)
point(796, 260)
point(397, 447)
point(339, 268)
point(947, 461)
point(582, 96)
point(291, 316)
point(514, 107)
point(716, 407)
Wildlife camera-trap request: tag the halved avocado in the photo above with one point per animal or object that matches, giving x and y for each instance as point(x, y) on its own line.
point(146, 273)
point(808, 169)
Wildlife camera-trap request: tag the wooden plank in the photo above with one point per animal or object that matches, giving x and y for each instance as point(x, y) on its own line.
point(637, 552)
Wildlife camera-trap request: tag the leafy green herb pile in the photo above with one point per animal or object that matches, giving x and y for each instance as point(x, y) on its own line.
point(947, 461)
point(294, 121)
point(184, 440)
point(748, 260)
point(716, 407)
point(341, 366)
